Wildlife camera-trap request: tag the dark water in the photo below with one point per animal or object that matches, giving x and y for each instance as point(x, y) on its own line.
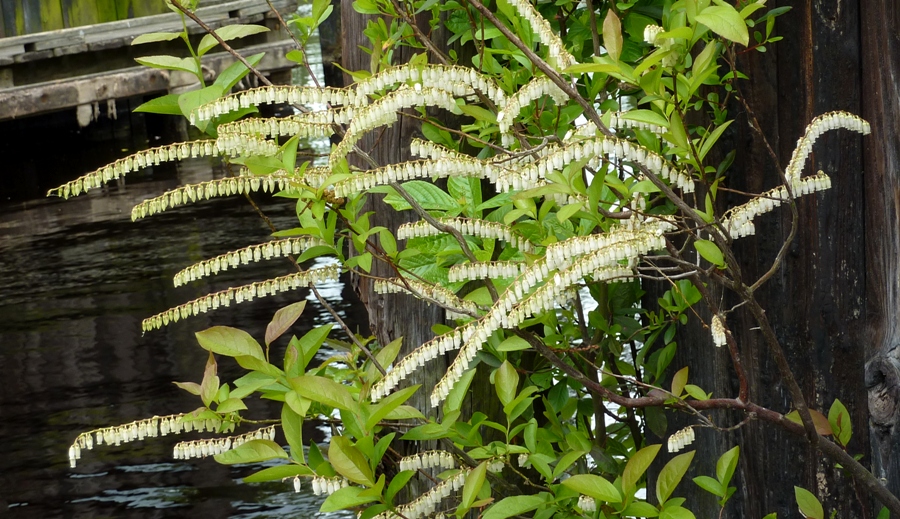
point(76, 279)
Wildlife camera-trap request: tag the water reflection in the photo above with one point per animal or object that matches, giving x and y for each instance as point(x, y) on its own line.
point(73, 292)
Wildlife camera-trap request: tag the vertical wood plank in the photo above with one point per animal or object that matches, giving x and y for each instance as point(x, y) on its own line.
point(80, 12)
point(51, 15)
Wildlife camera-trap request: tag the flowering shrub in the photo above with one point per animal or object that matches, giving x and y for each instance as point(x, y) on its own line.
point(573, 179)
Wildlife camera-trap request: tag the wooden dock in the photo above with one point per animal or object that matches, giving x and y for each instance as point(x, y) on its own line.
point(81, 67)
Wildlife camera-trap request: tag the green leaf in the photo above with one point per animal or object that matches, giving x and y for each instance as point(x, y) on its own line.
point(710, 485)
point(725, 21)
point(726, 465)
point(514, 343)
point(254, 451)
point(283, 319)
point(326, 391)
point(773, 515)
point(474, 481)
point(191, 387)
point(636, 467)
point(170, 63)
point(839, 418)
point(612, 35)
point(679, 380)
point(594, 486)
point(676, 512)
point(640, 509)
point(506, 382)
point(209, 386)
point(513, 505)
point(347, 497)
point(711, 138)
point(388, 404)
point(278, 473)
point(311, 342)
point(671, 475)
point(229, 32)
point(428, 195)
point(152, 37)
point(292, 426)
point(458, 393)
point(236, 71)
point(349, 462)
point(568, 211)
point(386, 355)
point(230, 405)
point(710, 252)
point(479, 113)
point(810, 507)
point(399, 481)
point(166, 105)
point(646, 117)
point(696, 392)
point(190, 101)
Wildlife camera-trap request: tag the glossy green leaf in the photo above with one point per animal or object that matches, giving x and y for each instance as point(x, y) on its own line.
point(388, 404)
point(594, 486)
point(726, 465)
point(236, 71)
point(349, 462)
point(513, 505)
point(671, 475)
point(230, 405)
point(725, 21)
point(454, 400)
point(254, 451)
point(153, 37)
point(506, 382)
point(292, 426)
point(347, 497)
point(278, 473)
point(170, 63)
point(810, 507)
point(227, 33)
point(679, 380)
point(474, 481)
point(710, 485)
point(710, 252)
point(636, 467)
point(640, 509)
point(839, 419)
point(166, 105)
point(676, 512)
point(324, 390)
point(513, 343)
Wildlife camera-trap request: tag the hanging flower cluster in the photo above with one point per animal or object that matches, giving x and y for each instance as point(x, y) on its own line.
point(328, 486)
point(587, 504)
point(555, 48)
point(441, 168)
point(429, 459)
point(417, 358)
point(212, 446)
point(237, 144)
point(240, 294)
point(440, 295)
point(650, 233)
point(652, 35)
point(818, 126)
point(469, 227)
point(311, 125)
point(427, 503)
point(383, 112)
point(593, 148)
point(137, 430)
point(681, 439)
point(739, 220)
point(485, 270)
point(253, 253)
point(496, 465)
point(296, 95)
point(135, 162)
point(209, 189)
point(462, 81)
point(621, 121)
point(525, 96)
point(717, 327)
point(429, 150)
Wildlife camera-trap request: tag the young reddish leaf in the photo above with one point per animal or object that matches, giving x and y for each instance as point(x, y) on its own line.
point(283, 319)
point(819, 420)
